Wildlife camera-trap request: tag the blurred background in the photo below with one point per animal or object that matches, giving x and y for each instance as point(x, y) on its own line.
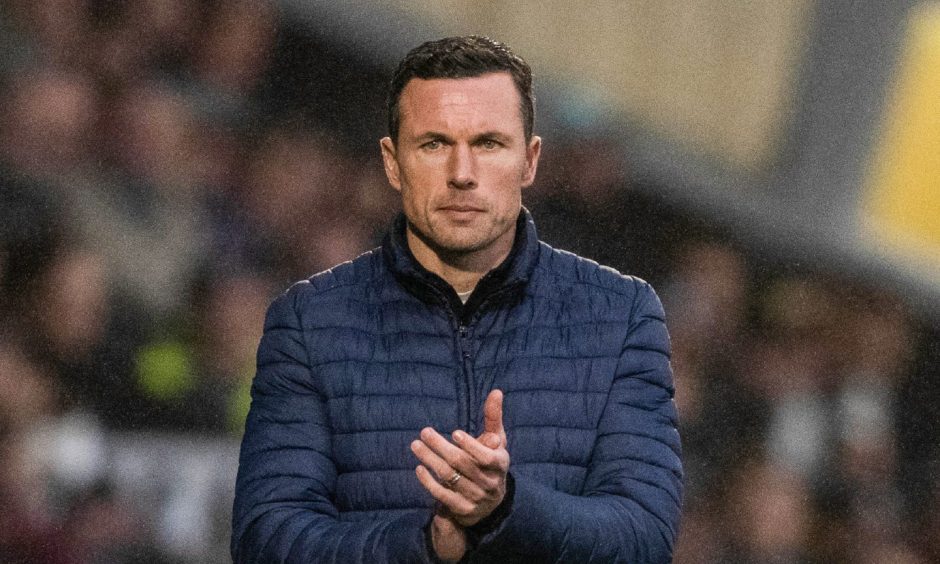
point(167, 167)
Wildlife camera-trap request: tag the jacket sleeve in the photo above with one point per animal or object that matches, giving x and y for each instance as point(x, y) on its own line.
point(283, 510)
point(629, 508)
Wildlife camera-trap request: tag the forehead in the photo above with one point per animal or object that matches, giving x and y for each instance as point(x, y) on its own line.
point(485, 102)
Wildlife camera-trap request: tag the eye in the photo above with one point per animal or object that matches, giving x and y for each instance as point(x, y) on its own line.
point(432, 145)
point(489, 144)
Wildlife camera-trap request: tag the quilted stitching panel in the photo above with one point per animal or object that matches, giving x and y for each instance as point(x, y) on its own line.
point(387, 366)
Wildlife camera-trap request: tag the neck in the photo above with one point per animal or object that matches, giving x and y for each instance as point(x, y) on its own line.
point(462, 270)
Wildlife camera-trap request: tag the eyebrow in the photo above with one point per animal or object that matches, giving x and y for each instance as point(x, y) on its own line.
point(497, 135)
point(492, 134)
point(428, 135)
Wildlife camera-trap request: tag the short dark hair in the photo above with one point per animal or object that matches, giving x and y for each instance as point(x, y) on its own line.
point(461, 57)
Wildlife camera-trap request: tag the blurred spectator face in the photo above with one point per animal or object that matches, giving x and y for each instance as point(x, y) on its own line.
point(26, 392)
point(235, 49)
point(699, 538)
point(803, 306)
point(23, 491)
point(102, 529)
point(234, 321)
point(219, 159)
point(882, 340)
point(592, 166)
point(772, 512)
point(72, 305)
point(153, 137)
point(708, 297)
point(293, 184)
point(797, 303)
point(802, 353)
point(60, 26)
point(706, 302)
point(376, 203)
point(335, 243)
point(146, 32)
point(778, 368)
point(48, 121)
point(164, 23)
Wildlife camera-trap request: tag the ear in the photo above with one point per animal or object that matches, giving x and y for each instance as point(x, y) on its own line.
point(391, 164)
point(532, 152)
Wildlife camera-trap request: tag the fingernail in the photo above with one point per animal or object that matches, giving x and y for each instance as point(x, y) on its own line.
point(459, 435)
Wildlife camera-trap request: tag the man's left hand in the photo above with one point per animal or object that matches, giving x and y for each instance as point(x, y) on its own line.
point(470, 472)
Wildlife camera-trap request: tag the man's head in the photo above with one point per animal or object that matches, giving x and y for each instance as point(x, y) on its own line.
point(461, 57)
point(462, 151)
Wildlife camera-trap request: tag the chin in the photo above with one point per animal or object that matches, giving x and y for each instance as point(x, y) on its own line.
point(456, 246)
point(459, 239)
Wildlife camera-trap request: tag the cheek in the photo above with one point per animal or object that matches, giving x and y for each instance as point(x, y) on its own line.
point(421, 176)
point(508, 168)
point(414, 201)
point(507, 179)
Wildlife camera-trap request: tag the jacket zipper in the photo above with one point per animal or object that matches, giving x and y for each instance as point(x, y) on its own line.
point(463, 327)
point(466, 361)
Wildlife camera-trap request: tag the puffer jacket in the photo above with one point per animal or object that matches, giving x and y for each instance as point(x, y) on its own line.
point(355, 361)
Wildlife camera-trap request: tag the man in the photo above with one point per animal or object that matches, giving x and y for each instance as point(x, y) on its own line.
point(465, 391)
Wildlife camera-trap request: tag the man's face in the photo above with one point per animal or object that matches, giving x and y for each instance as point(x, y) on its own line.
point(461, 162)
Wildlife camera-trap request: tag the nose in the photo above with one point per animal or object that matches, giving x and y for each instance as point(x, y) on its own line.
point(462, 173)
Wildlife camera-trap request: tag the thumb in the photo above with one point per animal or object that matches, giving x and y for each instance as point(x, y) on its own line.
point(491, 440)
point(493, 413)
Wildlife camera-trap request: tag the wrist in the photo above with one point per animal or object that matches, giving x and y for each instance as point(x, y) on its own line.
point(476, 532)
point(446, 541)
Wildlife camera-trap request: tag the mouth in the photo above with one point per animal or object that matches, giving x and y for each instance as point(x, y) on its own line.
point(461, 208)
point(461, 213)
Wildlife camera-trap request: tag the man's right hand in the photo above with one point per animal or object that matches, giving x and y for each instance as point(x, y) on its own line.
point(467, 476)
point(488, 455)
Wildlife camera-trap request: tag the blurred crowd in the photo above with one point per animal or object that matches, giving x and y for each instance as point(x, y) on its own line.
point(168, 166)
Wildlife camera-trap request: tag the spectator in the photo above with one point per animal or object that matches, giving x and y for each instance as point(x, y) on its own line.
point(47, 123)
point(234, 51)
point(77, 334)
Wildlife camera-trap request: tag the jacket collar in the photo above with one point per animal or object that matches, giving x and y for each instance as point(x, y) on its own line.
point(506, 281)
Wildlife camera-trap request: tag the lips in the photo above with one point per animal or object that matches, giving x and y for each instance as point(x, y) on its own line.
point(461, 208)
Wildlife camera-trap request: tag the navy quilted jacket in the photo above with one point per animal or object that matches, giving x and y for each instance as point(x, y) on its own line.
point(355, 361)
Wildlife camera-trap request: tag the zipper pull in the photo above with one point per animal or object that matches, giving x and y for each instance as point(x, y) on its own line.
point(464, 346)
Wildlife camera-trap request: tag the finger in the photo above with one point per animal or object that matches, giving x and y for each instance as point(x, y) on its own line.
point(432, 460)
point(493, 413)
point(488, 457)
point(490, 440)
point(453, 455)
point(467, 485)
point(453, 501)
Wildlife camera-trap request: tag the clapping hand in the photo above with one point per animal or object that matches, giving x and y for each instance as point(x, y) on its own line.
point(468, 476)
